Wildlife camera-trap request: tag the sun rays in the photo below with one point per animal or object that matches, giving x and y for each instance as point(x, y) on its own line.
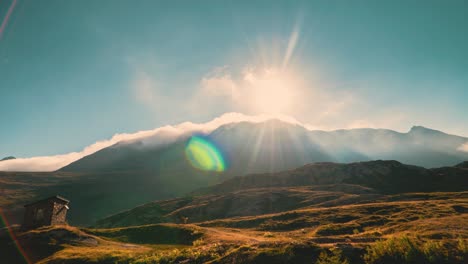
point(272, 82)
point(273, 91)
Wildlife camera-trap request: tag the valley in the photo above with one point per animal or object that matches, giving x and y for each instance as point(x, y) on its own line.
point(318, 213)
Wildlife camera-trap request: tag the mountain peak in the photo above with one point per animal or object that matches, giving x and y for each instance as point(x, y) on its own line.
point(463, 165)
point(421, 129)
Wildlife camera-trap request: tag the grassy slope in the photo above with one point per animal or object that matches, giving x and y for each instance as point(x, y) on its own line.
point(279, 224)
point(317, 185)
point(435, 220)
point(95, 195)
point(240, 203)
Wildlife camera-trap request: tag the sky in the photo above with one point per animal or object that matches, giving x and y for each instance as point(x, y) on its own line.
point(73, 73)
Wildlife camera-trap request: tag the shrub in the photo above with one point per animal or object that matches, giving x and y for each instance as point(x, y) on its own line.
point(434, 252)
point(187, 255)
point(462, 250)
point(335, 257)
point(338, 229)
point(411, 250)
point(393, 250)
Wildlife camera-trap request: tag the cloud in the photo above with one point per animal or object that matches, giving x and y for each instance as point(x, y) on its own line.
point(253, 90)
point(219, 83)
point(147, 92)
point(52, 163)
point(463, 147)
point(361, 123)
point(161, 135)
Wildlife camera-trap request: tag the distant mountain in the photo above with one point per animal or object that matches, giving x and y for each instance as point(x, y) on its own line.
point(8, 158)
point(383, 176)
point(275, 145)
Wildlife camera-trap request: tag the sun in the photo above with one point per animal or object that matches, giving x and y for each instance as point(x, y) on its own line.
point(272, 91)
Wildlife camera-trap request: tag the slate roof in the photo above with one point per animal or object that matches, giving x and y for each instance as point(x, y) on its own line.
point(49, 198)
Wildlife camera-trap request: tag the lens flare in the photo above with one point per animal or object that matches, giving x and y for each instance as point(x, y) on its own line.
point(204, 155)
point(7, 18)
point(11, 233)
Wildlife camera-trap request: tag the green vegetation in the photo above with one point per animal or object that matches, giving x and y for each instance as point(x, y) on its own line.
point(151, 234)
point(190, 255)
point(335, 257)
point(338, 229)
point(405, 249)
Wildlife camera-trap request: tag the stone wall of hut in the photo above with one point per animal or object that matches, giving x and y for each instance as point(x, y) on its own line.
point(59, 214)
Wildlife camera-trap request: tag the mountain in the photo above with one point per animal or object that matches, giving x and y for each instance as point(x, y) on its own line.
point(130, 173)
point(8, 158)
point(275, 145)
point(311, 186)
point(384, 176)
point(463, 165)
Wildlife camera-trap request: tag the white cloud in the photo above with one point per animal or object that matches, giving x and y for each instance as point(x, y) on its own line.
point(147, 92)
point(219, 83)
point(144, 87)
point(253, 90)
point(361, 123)
point(161, 135)
point(463, 147)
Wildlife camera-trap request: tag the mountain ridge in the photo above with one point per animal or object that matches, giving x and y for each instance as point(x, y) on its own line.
point(433, 148)
point(8, 158)
point(142, 171)
point(311, 186)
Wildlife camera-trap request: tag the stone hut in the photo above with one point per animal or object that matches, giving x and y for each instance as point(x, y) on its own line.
point(50, 211)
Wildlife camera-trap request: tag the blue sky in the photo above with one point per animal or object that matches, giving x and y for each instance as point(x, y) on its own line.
point(75, 72)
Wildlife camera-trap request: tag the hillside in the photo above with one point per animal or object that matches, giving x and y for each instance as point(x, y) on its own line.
point(97, 195)
point(385, 176)
point(365, 212)
point(428, 227)
point(313, 185)
point(463, 165)
point(256, 201)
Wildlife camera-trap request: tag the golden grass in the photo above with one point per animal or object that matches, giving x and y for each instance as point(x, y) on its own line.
point(108, 252)
point(436, 222)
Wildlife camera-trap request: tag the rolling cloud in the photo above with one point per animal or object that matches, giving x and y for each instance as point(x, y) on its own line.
point(161, 135)
point(158, 136)
point(463, 147)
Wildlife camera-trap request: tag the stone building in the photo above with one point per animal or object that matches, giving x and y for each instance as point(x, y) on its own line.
point(50, 211)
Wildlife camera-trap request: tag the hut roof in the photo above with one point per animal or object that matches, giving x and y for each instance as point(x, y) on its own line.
point(57, 197)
